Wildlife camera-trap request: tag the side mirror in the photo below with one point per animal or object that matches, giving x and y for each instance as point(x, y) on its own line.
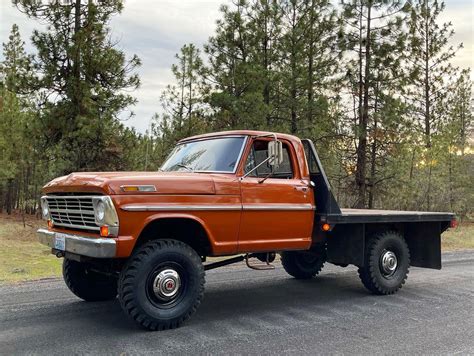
point(275, 153)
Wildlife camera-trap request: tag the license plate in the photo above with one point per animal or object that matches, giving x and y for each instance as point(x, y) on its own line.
point(60, 242)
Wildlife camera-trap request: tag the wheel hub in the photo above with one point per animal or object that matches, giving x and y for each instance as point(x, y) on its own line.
point(166, 284)
point(388, 263)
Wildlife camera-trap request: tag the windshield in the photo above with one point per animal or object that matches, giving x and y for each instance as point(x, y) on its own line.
point(212, 155)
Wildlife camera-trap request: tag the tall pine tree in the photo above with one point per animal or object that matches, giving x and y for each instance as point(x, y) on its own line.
point(83, 78)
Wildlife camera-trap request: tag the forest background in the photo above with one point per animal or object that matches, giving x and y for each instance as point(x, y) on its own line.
point(372, 82)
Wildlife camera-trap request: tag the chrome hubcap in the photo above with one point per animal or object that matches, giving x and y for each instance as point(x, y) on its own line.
point(166, 285)
point(388, 263)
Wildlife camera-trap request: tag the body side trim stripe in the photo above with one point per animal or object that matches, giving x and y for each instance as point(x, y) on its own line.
point(278, 207)
point(220, 207)
point(165, 207)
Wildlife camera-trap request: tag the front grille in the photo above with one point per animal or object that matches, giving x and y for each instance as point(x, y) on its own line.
point(70, 211)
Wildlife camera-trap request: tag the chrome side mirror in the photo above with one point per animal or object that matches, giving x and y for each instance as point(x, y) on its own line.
point(275, 153)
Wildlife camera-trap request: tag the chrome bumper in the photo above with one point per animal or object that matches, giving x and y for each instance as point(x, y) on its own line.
point(85, 246)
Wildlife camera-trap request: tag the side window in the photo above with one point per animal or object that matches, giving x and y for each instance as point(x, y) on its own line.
point(310, 158)
point(259, 153)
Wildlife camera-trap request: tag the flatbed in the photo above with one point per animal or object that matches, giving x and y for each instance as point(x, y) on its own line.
point(350, 216)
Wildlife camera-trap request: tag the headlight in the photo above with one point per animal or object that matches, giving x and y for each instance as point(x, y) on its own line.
point(105, 214)
point(44, 208)
point(100, 211)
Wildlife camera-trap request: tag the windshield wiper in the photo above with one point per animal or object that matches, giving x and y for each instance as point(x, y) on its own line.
point(184, 166)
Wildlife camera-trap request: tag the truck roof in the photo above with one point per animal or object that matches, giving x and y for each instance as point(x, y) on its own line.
point(293, 140)
point(288, 137)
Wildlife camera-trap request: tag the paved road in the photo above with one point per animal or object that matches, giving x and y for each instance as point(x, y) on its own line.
point(258, 312)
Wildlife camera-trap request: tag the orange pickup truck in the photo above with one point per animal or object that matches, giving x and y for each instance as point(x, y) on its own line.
point(145, 236)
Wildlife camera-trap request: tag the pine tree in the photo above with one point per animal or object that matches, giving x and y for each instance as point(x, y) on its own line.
point(461, 112)
point(82, 80)
point(321, 57)
point(457, 134)
point(236, 78)
point(292, 86)
point(183, 101)
point(428, 59)
point(17, 127)
point(368, 27)
point(17, 66)
point(264, 25)
point(430, 73)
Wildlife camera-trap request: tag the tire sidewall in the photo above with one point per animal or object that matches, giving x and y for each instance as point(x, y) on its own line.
point(309, 262)
point(86, 284)
point(191, 282)
point(397, 245)
point(297, 265)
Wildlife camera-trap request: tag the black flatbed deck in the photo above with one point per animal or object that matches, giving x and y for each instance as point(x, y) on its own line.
point(353, 216)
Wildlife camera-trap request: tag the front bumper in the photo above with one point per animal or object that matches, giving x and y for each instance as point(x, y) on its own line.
point(85, 246)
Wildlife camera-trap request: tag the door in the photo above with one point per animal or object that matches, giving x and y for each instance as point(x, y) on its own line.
point(278, 207)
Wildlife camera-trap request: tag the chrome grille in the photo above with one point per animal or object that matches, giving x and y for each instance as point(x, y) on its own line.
point(75, 212)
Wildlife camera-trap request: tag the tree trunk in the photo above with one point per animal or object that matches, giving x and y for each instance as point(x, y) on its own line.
point(451, 195)
point(362, 144)
point(266, 64)
point(294, 117)
point(427, 81)
point(9, 196)
point(373, 154)
point(310, 68)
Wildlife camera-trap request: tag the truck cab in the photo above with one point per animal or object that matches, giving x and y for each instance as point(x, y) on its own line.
point(146, 236)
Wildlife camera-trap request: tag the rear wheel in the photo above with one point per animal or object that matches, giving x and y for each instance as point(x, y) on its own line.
point(386, 263)
point(87, 284)
point(303, 264)
point(162, 285)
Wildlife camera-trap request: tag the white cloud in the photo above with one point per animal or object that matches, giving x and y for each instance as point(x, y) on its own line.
point(156, 30)
point(460, 14)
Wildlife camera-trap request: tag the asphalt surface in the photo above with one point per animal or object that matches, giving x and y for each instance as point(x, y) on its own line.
point(258, 312)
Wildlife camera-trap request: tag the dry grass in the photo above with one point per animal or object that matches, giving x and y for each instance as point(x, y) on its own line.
point(460, 238)
point(23, 258)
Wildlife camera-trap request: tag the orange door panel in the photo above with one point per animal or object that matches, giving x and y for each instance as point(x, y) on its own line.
point(277, 215)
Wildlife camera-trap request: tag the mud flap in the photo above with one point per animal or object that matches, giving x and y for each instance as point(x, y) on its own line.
point(424, 242)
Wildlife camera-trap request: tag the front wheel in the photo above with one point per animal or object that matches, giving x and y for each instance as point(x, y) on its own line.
point(386, 263)
point(88, 284)
point(162, 285)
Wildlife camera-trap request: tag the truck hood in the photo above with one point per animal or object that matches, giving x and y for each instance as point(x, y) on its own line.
point(110, 182)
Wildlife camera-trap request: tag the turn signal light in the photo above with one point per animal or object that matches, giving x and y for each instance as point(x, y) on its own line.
point(104, 231)
point(326, 227)
point(453, 224)
point(130, 188)
point(50, 224)
point(138, 188)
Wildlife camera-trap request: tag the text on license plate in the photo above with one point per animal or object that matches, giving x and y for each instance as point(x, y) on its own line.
point(60, 242)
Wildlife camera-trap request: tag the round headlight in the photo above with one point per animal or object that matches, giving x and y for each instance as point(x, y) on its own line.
point(100, 211)
point(44, 208)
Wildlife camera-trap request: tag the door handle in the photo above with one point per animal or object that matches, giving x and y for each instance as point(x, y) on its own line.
point(301, 188)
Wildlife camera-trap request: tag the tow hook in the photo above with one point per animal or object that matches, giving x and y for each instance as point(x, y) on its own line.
point(60, 254)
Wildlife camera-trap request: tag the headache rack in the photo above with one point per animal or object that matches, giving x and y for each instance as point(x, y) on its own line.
point(75, 211)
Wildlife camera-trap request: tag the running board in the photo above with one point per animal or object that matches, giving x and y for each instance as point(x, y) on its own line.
point(259, 266)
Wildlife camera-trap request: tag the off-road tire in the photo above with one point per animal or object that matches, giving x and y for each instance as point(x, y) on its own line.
point(303, 264)
point(372, 275)
point(138, 278)
point(88, 285)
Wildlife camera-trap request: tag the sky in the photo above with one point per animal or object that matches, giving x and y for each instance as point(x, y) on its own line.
point(155, 30)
